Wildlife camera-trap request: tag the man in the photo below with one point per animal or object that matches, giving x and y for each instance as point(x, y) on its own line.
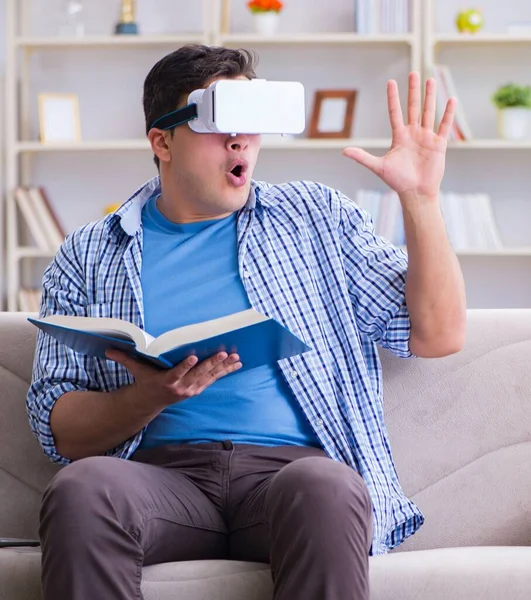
point(288, 463)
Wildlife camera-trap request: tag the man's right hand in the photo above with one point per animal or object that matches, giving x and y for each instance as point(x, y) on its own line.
point(156, 387)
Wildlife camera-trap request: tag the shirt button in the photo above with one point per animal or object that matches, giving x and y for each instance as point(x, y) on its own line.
point(319, 422)
point(246, 274)
point(294, 374)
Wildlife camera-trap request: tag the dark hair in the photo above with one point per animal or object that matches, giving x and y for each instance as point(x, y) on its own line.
point(187, 69)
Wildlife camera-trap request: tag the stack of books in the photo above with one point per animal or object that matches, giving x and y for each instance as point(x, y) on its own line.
point(38, 214)
point(469, 218)
point(374, 17)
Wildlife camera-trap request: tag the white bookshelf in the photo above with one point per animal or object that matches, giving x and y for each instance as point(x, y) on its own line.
point(21, 45)
point(343, 39)
point(421, 47)
point(287, 144)
point(108, 41)
point(488, 158)
point(504, 252)
point(480, 38)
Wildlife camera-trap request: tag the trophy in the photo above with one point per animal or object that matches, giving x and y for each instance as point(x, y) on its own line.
point(126, 24)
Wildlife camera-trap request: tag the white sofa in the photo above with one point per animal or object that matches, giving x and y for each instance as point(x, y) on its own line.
point(460, 429)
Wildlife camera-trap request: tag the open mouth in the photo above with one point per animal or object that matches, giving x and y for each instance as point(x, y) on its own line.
point(237, 171)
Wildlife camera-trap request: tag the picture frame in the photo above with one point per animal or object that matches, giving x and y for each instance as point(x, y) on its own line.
point(59, 118)
point(225, 16)
point(333, 113)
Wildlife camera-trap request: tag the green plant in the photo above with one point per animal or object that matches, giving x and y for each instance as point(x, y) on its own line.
point(512, 96)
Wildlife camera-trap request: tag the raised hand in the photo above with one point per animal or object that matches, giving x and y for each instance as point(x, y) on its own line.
point(414, 165)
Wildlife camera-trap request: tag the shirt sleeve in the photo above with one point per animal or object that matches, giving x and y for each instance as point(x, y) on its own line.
point(57, 369)
point(376, 278)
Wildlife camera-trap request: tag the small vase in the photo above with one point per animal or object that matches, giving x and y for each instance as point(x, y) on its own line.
point(266, 23)
point(514, 123)
point(72, 22)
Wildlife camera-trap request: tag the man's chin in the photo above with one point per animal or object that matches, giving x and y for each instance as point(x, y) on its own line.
point(237, 198)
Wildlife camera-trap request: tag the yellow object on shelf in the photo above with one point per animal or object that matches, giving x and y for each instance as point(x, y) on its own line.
point(469, 21)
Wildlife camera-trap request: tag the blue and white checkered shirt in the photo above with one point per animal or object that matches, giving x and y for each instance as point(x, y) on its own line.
point(309, 257)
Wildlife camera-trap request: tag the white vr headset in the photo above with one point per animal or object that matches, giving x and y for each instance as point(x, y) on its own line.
point(233, 106)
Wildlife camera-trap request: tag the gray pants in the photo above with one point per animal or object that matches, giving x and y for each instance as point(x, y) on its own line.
point(103, 518)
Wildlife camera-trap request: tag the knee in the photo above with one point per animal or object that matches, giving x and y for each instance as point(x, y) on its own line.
point(320, 484)
point(76, 485)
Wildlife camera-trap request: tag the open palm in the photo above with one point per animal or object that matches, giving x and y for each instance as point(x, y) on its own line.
point(415, 162)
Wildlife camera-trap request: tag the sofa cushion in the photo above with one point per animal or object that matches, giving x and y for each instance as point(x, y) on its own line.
point(481, 573)
point(207, 580)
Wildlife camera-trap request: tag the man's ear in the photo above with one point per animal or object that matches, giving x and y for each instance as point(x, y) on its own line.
point(158, 139)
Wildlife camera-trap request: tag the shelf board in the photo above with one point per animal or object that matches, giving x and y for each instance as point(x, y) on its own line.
point(491, 144)
point(508, 252)
point(143, 144)
point(267, 144)
point(323, 144)
point(108, 40)
point(91, 145)
point(316, 38)
point(31, 252)
point(481, 38)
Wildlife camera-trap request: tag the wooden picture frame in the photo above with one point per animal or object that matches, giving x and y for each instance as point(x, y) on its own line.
point(332, 114)
point(59, 118)
point(225, 17)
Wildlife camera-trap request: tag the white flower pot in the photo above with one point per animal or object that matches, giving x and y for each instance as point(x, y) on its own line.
point(514, 123)
point(266, 23)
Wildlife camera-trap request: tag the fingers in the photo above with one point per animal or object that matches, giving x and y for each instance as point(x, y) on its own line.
point(448, 119)
point(394, 107)
point(413, 100)
point(182, 369)
point(229, 365)
point(189, 378)
point(428, 116)
point(374, 163)
point(193, 370)
point(124, 359)
point(207, 365)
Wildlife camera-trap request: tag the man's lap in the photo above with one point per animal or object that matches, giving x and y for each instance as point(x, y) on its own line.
point(200, 501)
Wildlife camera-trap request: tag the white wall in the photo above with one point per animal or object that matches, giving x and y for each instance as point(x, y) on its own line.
point(109, 85)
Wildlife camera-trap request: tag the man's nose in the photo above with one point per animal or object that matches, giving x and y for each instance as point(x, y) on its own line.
point(238, 143)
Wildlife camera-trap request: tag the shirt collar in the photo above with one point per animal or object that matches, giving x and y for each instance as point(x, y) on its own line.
point(128, 217)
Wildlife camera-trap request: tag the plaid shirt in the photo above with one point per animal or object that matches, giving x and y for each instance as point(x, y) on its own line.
point(308, 257)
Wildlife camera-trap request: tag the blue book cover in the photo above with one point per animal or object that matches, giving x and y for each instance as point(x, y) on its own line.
point(256, 338)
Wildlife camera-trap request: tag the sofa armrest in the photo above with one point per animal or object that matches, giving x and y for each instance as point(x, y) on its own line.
point(460, 430)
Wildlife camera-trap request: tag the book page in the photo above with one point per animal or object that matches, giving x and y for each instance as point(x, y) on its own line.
point(105, 326)
point(201, 331)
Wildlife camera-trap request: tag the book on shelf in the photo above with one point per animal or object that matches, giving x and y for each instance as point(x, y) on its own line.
point(258, 339)
point(381, 16)
point(469, 218)
point(470, 221)
point(36, 209)
point(386, 212)
point(446, 89)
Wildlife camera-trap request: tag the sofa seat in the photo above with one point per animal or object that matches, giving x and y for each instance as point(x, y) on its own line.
point(441, 574)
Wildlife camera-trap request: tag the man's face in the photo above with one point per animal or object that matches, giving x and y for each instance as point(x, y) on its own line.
point(209, 174)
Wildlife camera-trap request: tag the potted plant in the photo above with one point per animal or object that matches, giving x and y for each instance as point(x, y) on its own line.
point(265, 15)
point(514, 110)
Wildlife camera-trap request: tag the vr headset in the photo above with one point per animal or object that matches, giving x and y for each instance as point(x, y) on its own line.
point(233, 106)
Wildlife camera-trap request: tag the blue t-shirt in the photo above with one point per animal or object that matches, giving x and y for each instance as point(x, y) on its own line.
point(190, 274)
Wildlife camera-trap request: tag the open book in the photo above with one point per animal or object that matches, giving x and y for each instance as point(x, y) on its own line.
point(258, 339)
